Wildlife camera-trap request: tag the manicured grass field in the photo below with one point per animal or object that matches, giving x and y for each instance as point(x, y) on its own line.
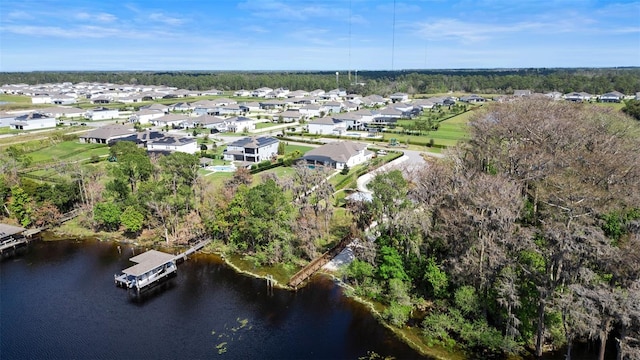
point(266, 125)
point(288, 148)
point(17, 99)
point(70, 151)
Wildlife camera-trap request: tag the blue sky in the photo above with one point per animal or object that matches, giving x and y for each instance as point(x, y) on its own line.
point(316, 35)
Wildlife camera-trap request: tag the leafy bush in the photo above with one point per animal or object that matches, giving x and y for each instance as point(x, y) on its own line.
point(397, 314)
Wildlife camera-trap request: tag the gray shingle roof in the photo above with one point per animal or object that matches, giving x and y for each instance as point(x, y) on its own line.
point(339, 151)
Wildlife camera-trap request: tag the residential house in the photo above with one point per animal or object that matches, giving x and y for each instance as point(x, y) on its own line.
point(145, 116)
point(242, 92)
point(399, 97)
point(170, 120)
point(101, 113)
point(522, 93)
point(252, 149)
point(241, 124)
point(181, 106)
point(63, 100)
point(554, 95)
point(160, 107)
point(171, 143)
point(230, 109)
point(374, 101)
point(577, 96)
point(340, 92)
point(261, 92)
point(67, 112)
point(612, 97)
point(250, 106)
point(473, 99)
point(355, 98)
point(298, 94)
point(350, 106)
point(288, 116)
point(214, 123)
point(311, 111)
point(339, 154)
point(6, 118)
point(316, 92)
point(353, 121)
point(327, 126)
point(101, 99)
point(425, 104)
point(211, 92)
point(33, 121)
point(106, 134)
point(41, 99)
point(367, 116)
point(333, 107)
point(272, 105)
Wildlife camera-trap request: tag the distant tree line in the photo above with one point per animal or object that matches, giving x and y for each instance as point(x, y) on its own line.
point(593, 81)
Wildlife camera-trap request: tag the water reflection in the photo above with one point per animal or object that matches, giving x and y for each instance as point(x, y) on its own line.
point(59, 301)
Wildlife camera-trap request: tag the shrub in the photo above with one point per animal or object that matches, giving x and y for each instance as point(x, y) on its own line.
point(397, 314)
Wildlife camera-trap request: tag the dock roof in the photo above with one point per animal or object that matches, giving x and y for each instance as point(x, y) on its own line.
point(148, 261)
point(7, 230)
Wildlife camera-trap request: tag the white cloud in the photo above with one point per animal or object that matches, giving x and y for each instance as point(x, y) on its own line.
point(256, 29)
point(161, 17)
point(19, 15)
point(273, 9)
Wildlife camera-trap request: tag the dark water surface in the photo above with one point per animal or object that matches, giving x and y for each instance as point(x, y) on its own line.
point(58, 301)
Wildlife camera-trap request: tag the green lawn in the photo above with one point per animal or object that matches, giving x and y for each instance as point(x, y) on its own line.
point(69, 150)
point(266, 125)
point(16, 99)
point(288, 148)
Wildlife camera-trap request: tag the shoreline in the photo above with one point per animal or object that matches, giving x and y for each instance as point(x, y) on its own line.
point(58, 235)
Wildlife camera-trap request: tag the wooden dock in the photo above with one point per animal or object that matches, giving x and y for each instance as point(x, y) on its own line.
point(152, 267)
point(317, 263)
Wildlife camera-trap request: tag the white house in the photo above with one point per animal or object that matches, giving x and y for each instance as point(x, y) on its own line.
point(33, 121)
point(145, 116)
point(577, 96)
point(102, 113)
point(312, 110)
point(288, 116)
point(169, 120)
point(399, 97)
point(333, 107)
point(338, 154)
point(261, 92)
point(63, 100)
point(612, 97)
point(241, 124)
point(327, 126)
point(170, 143)
point(59, 111)
point(252, 149)
point(6, 119)
point(41, 99)
point(244, 93)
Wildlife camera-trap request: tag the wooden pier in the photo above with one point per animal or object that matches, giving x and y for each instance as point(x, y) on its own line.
point(152, 267)
point(318, 263)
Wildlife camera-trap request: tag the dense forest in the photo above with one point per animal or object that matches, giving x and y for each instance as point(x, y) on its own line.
point(525, 238)
point(593, 81)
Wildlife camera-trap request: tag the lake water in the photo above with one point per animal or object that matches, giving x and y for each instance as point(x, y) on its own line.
point(58, 301)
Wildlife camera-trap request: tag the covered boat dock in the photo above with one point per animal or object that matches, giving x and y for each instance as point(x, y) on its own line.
point(151, 267)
